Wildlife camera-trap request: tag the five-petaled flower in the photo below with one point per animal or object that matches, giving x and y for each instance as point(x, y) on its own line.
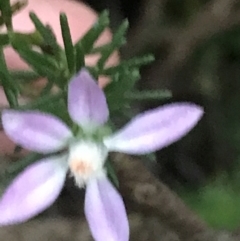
point(38, 186)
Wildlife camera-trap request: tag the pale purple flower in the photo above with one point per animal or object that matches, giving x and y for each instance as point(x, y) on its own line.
point(38, 186)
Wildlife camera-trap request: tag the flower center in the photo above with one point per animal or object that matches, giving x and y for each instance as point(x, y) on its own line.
point(86, 161)
point(80, 167)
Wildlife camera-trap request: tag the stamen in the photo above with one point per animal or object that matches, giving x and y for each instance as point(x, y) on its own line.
point(80, 167)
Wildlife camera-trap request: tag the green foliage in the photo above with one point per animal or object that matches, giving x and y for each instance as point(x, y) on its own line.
point(68, 44)
point(6, 13)
point(88, 40)
point(57, 64)
point(218, 203)
point(7, 82)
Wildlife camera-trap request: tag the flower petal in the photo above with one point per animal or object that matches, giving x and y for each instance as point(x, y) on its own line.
point(155, 129)
point(105, 211)
point(86, 101)
point(35, 131)
point(33, 190)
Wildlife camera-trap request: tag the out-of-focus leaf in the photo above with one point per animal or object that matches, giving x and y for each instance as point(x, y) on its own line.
point(17, 6)
point(44, 65)
point(68, 44)
point(88, 40)
point(6, 13)
point(50, 41)
point(102, 48)
point(29, 39)
point(7, 82)
point(148, 95)
point(132, 63)
point(4, 39)
point(121, 83)
point(24, 76)
point(116, 43)
point(80, 61)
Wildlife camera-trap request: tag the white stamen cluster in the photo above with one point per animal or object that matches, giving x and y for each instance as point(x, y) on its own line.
point(86, 160)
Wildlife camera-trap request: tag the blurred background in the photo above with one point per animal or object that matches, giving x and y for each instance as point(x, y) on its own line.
point(196, 44)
